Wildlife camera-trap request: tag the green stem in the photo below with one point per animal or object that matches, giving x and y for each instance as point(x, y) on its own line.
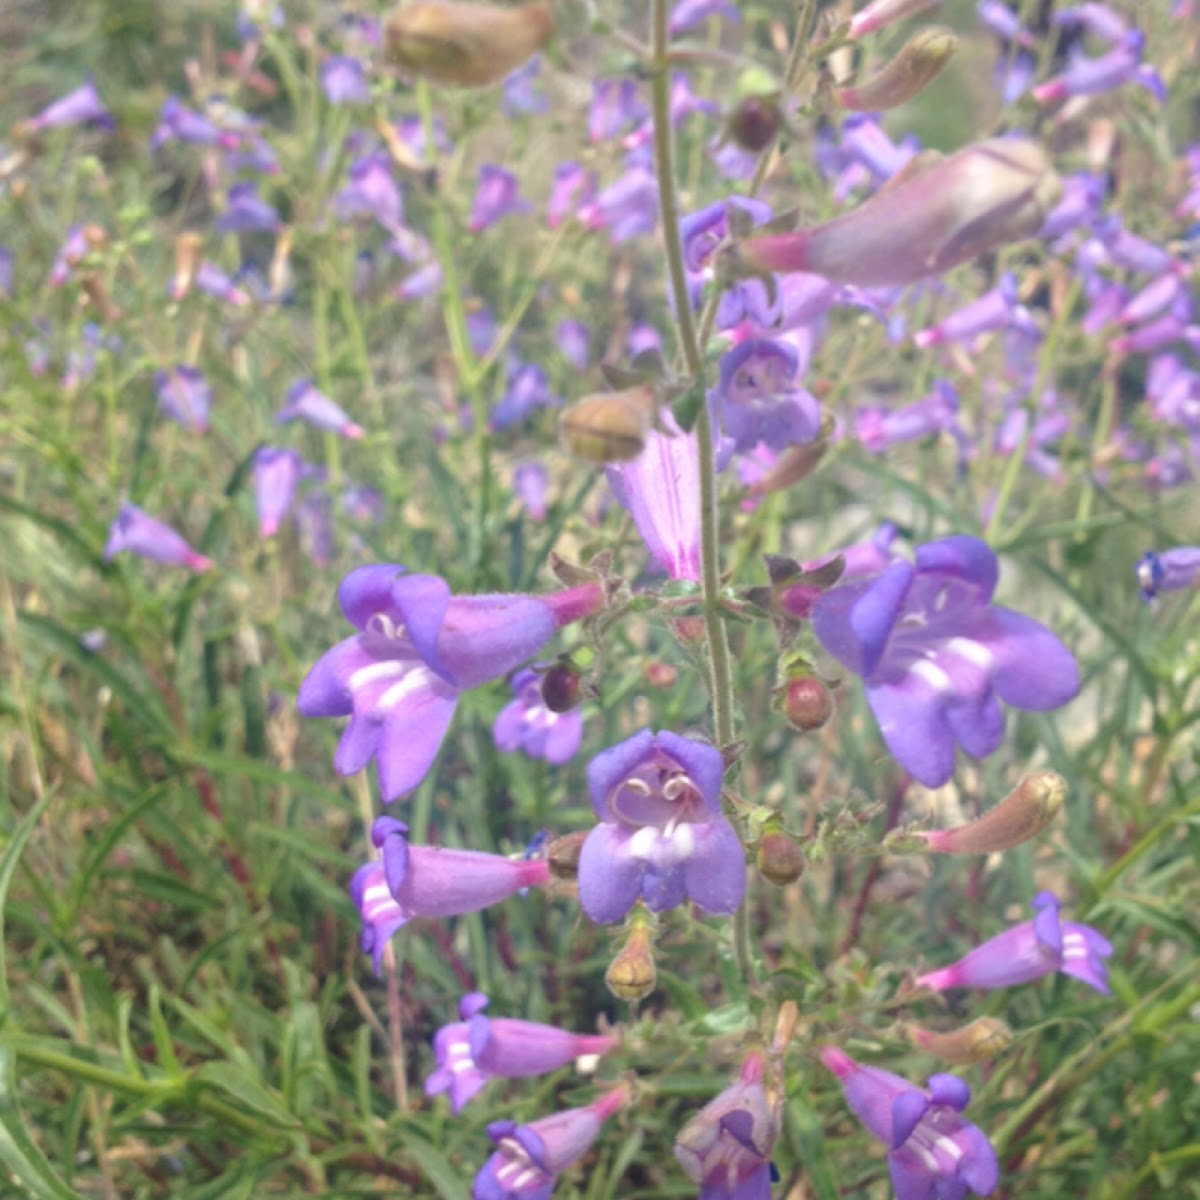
point(710, 567)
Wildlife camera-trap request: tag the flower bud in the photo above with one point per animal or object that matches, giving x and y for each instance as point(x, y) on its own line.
point(471, 45)
point(920, 60)
point(562, 687)
point(805, 701)
point(688, 631)
point(754, 122)
point(188, 247)
point(562, 855)
point(981, 1040)
point(660, 675)
point(938, 214)
point(779, 859)
point(1021, 815)
point(632, 975)
point(609, 426)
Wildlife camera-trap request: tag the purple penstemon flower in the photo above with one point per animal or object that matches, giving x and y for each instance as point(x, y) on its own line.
point(1168, 571)
point(344, 81)
point(477, 1048)
point(430, 881)
point(247, 212)
point(934, 1153)
point(136, 532)
point(878, 427)
point(662, 837)
point(1028, 951)
point(529, 1158)
point(306, 402)
point(528, 389)
point(398, 678)
point(527, 723)
point(701, 233)
point(937, 656)
point(660, 489)
point(530, 485)
point(497, 196)
point(993, 310)
point(372, 192)
point(277, 471)
point(184, 396)
point(83, 106)
point(177, 122)
point(758, 398)
point(726, 1146)
point(627, 208)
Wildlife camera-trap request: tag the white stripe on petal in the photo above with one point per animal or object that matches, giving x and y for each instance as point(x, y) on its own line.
point(415, 679)
point(932, 674)
point(974, 652)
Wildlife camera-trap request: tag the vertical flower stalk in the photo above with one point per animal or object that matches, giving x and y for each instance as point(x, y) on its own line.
point(710, 570)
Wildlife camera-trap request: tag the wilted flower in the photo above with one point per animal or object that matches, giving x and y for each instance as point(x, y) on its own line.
point(1028, 951)
point(933, 1152)
point(662, 837)
point(139, 533)
point(937, 656)
point(399, 677)
point(477, 1048)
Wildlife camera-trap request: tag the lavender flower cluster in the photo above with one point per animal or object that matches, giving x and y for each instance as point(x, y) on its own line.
point(936, 656)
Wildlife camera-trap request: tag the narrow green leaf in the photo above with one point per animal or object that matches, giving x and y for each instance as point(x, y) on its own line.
point(19, 1153)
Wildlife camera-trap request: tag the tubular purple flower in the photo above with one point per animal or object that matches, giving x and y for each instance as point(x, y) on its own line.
point(430, 881)
point(184, 396)
point(177, 122)
point(726, 1146)
point(372, 191)
point(306, 402)
point(247, 212)
point(526, 723)
point(83, 106)
point(477, 1048)
point(937, 656)
point(1086, 76)
point(344, 81)
point(139, 533)
point(660, 489)
point(417, 647)
point(878, 428)
point(934, 1153)
point(627, 208)
point(993, 310)
point(574, 187)
point(615, 108)
point(1028, 951)
point(496, 196)
point(758, 398)
point(934, 218)
point(276, 473)
point(529, 1158)
point(1168, 571)
point(662, 838)
point(530, 484)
